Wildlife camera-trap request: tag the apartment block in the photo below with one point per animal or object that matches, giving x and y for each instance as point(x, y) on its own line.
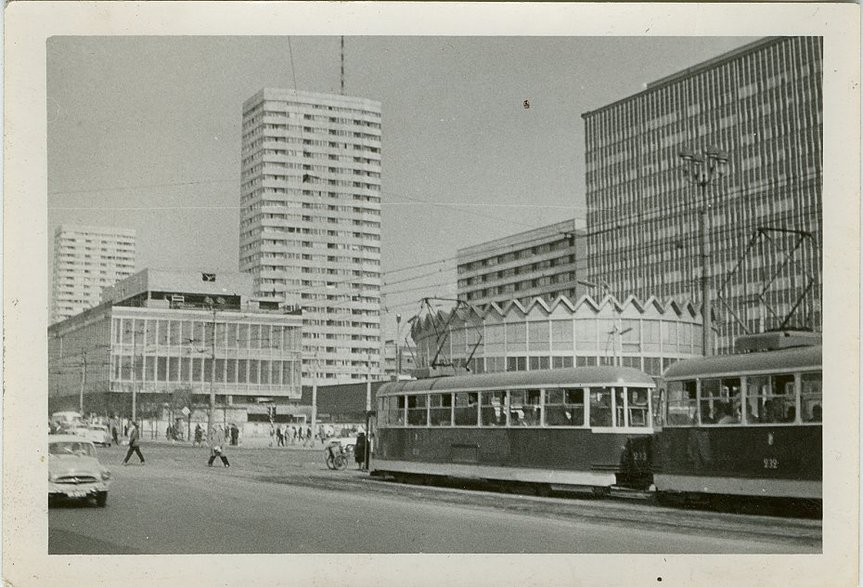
point(86, 260)
point(310, 222)
point(544, 263)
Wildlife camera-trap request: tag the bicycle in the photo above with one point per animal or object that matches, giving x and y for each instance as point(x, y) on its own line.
point(336, 460)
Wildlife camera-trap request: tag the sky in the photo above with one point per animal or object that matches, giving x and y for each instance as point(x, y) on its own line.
point(144, 133)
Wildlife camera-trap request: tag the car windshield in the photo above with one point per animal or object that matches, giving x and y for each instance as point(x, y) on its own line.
point(84, 449)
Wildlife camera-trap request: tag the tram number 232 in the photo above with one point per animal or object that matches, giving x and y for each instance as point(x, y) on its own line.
point(771, 463)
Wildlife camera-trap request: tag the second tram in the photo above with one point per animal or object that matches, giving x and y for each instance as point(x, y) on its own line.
point(746, 424)
point(555, 429)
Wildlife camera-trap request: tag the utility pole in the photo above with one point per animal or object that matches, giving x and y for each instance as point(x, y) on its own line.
point(367, 449)
point(398, 347)
point(134, 375)
point(212, 412)
point(83, 382)
point(314, 392)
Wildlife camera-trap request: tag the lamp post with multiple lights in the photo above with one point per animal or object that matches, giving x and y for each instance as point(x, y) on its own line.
point(702, 169)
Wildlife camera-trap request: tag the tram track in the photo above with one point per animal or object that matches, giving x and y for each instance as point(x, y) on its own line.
point(623, 512)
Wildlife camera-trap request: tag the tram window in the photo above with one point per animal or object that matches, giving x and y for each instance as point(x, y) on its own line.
point(810, 397)
point(600, 406)
point(417, 415)
point(712, 406)
point(466, 409)
point(682, 403)
point(440, 409)
point(638, 412)
point(771, 399)
point(524, 407)
point(720, 401)
point(783, 398)
point(493, 408)
point(396, 410)
point(564, 407)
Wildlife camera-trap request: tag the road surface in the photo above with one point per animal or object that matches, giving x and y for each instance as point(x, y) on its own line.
point(286, 501)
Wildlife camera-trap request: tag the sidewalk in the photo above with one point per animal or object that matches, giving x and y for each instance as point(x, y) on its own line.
point(251, 442)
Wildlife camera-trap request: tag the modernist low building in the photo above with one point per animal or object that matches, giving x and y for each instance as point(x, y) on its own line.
point(166, 338)
point(649, 335)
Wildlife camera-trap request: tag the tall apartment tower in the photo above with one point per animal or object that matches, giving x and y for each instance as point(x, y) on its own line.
point(310, 222)
point(86, 260)
point(762, 105)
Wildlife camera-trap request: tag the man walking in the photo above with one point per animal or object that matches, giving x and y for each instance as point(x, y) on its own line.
point(217, 450)
point(134, 444)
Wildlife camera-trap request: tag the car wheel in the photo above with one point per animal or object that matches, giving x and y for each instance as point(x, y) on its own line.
point(102, 499)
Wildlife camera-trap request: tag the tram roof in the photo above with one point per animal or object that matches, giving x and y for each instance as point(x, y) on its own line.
point(807, 357)
point(579, 376)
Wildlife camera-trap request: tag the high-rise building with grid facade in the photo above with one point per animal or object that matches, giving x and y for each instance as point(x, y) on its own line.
point(310, 222)
point(762, 105)
point(88, 259)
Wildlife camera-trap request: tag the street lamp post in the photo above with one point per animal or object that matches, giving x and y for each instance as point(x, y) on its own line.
point(617, 330)
point(702, 169)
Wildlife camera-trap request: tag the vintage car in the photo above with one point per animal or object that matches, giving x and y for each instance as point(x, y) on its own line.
point(74, 471)
point(348, 443)
point(98, 434)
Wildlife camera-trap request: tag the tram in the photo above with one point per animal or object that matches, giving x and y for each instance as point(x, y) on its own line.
point(747, 424)
point(560, 429)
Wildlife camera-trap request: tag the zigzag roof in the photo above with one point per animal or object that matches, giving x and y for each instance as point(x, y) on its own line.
point(493, 309)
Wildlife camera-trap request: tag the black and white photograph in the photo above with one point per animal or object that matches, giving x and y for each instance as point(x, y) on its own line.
point(492, 294)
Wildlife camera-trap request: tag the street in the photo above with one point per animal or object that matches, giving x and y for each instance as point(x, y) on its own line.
point(275, 500)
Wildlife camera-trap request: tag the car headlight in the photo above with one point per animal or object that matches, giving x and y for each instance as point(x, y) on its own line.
point(106, 475)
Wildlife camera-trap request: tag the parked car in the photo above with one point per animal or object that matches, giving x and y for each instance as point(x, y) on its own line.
point(98, 434)
point(74, 471)
point(75, 430)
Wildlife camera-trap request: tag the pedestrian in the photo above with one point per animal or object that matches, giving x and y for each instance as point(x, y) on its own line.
point(134, 444)
point(272, 434)
point(280, 438)
point(199, 435)
point(360, 450)
point(309, 438)
point(235, 435)
point(114, 433)
point(217, 450)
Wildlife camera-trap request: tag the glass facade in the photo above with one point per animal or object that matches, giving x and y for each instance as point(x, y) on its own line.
point(108, 351)
point(649, 337)
point(252, 357)
point(762, 104)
